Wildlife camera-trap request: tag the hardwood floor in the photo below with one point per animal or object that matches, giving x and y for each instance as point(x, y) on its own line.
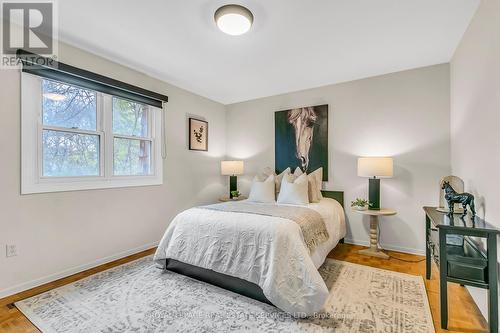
point(464, 314)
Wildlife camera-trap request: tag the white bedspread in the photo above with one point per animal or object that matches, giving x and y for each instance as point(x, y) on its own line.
point(268, 251)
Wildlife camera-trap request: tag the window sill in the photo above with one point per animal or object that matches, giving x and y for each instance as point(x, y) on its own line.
point(84, 185)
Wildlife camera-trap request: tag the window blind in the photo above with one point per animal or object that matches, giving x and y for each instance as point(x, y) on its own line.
point(51, 69)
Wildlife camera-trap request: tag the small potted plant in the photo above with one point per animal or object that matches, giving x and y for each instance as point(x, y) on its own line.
point(235, 194)
point(360, 204)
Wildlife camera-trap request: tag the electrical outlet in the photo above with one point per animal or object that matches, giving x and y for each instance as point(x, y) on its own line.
point(10, 250)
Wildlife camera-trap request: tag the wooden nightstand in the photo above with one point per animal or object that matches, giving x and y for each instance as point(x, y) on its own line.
point(374, 250)
point(226, 199)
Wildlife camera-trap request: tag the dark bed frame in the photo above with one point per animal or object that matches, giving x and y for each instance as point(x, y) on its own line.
point(231, 283)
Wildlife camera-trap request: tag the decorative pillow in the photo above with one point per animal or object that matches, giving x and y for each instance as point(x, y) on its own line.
point(267, 171)
point(279, 178)
point(262, 191)
point(294, 191)
point(315, 180)
point(298, 172)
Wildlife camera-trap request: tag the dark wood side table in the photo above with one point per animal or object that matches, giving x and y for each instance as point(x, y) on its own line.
point(456, 245)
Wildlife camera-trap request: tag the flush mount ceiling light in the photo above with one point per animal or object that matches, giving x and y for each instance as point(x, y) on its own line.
point(234, 20)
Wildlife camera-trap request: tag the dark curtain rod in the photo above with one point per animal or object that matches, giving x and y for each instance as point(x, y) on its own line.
point(51, 69)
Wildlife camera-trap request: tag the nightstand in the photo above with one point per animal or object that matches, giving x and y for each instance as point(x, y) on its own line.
point(226, 199)
point(374, 250)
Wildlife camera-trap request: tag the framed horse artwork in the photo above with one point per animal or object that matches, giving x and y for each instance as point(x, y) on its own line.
point(301, 139)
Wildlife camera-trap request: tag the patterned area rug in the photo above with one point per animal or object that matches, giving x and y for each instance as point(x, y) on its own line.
point(137, 297)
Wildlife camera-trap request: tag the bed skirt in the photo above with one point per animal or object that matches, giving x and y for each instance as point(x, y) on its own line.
point(228, 282)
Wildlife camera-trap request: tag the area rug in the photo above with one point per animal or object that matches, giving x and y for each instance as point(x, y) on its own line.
point(138, 297)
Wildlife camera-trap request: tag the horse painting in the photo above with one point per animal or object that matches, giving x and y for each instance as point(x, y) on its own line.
point(452, 197)
point(301, 139)
point(303, 121)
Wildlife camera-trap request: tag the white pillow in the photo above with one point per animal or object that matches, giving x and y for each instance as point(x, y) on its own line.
point(279, 178)
point(262, 191)
point(297, 172)
point(315, 180)
point(294, 191)
point(267, 171)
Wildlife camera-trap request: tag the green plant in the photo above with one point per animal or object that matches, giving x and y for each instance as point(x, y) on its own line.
point(235, 194)
point(360, 203)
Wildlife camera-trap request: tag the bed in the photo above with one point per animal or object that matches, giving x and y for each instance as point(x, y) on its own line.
point(259, 256)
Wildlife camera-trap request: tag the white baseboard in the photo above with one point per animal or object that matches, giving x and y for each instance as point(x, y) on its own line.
point(67, 272)
point(387, 247)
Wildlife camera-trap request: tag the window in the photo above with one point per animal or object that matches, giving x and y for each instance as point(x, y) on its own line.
point(70, 139)
point(75, 138)
point(131, 138)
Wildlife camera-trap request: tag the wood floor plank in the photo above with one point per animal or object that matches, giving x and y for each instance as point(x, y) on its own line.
point(464, 316)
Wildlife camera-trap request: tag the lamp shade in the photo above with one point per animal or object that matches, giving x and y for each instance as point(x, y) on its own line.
point(375, 167)
point(231, 168)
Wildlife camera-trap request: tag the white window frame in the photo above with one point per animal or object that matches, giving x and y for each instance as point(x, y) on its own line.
point(32, 180)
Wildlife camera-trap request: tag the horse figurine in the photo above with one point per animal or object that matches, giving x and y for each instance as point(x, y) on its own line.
point(452, 197)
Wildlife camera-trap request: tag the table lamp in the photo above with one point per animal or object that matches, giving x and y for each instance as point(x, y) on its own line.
point(232, 169)
point(375, 168)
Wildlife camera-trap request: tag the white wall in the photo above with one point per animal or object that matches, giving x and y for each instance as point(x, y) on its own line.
point(404, 115)
point(475, 115)
point(60, 233)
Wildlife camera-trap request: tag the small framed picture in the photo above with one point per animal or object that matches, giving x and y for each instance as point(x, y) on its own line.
point(198, 134)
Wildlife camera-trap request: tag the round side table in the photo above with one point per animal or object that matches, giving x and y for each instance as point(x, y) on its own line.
point(374, 250)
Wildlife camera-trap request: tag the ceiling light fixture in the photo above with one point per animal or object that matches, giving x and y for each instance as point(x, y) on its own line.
point(234, 20)
point(55, 96)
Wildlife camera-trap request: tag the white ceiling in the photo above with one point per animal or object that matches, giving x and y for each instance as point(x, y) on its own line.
point(293, 44)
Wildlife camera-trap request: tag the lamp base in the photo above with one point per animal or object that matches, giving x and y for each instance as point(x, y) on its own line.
point(233, 180)
point(374, 193)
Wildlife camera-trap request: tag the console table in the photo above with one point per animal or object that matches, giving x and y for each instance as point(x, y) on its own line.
point(456, 247)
